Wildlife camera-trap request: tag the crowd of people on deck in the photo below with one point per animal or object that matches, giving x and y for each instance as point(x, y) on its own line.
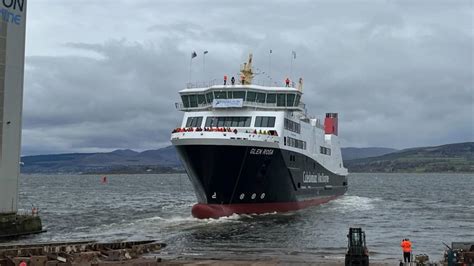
point(225, 129)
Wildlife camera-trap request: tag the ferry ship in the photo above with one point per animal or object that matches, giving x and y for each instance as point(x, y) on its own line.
point(252, 149)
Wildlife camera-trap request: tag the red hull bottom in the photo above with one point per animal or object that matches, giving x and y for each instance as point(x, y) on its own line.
point(205, 211)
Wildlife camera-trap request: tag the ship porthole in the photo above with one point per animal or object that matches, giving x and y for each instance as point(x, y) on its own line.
point(262, 196)
point(242, 196)
point(254, 196)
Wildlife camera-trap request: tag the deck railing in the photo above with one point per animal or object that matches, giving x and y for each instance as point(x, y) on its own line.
point(213, 82)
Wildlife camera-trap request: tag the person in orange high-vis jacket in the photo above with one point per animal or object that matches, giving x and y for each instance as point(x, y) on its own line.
point(406, 247)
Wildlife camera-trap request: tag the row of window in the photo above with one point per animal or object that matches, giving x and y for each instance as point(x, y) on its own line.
point(195, 121)
point(278, 99)
point(265, 121)
point(325, 150)
point(228, 121)
point(260, 121)
point(292, 126)
point(296, 143)
point(231, 121)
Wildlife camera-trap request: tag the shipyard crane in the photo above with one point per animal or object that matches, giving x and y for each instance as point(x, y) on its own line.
point(247, 72)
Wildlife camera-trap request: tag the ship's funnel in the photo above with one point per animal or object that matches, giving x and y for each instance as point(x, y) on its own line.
point(330, 123)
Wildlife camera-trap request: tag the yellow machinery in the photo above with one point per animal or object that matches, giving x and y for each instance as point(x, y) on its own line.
point(246, 72)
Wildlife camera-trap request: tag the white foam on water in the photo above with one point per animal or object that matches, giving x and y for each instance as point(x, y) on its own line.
point(334, 257)
point(186, 222)
point(354, 203)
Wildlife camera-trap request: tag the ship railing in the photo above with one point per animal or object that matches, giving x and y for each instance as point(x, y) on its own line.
point(271, 83)
point(202, 84)
point(213, 82)
point(257, 104)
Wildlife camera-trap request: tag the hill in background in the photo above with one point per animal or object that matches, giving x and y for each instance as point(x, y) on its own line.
point(358, 153)
point(446, 158)
point(163, 160)
point(457, 157)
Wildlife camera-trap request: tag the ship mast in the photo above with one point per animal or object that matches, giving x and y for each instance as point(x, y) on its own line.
point(246, 71)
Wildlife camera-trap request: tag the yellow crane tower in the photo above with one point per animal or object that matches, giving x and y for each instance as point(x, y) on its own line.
point(246, 71)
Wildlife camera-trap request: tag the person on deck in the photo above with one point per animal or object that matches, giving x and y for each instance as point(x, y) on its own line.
point(225, 79)
point(406, 247)
point(287, 82)
point(242, 78)
point(232, 80)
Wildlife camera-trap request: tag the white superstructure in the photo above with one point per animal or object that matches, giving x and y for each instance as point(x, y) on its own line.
point(295, 131)
point(12, 57)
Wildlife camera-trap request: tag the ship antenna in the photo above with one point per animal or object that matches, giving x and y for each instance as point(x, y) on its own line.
point(247, 72)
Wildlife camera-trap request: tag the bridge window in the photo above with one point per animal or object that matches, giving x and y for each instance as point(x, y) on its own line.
point(290, 98)
point(209, 97)
point(185, 99)
point(238, 95)
point(261, 97)
point(271, 98)
point(297, 101)
point(228, 121)
point(201, 99)
point(281, 99)
point(265, 121)
point(194, 121)
point(193, 101)
point(251, 95)
point(220, 94)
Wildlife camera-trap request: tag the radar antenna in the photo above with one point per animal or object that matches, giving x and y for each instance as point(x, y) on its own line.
point(246, 71)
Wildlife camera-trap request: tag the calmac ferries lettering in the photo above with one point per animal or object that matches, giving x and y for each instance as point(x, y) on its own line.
point(256, 151)
point(317, 178)
point(15, 5)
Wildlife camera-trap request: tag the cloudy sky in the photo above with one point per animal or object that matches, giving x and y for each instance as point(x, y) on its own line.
point(104, 75)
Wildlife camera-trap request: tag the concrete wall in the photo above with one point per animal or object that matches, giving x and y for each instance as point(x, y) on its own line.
point(12, 57)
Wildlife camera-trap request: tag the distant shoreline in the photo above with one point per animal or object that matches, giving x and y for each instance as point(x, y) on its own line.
point(450, 158)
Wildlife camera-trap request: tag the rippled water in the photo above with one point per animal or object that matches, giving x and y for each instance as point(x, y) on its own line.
point(427, 208)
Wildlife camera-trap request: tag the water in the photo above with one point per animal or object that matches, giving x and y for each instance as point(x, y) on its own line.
point(427, 208)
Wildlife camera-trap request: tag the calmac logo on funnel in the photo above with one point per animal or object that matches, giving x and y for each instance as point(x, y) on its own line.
point(6, 13)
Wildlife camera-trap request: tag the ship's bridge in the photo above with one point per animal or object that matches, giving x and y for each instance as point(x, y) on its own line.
point(238, 96)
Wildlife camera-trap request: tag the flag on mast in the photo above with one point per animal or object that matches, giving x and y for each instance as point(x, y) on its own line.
point(193, 54)
point(205, 52)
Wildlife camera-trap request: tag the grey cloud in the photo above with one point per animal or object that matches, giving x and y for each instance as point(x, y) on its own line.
point(399, 73)
point(122, 100)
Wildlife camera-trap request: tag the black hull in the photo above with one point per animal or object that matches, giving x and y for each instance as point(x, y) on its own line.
point(243, 179)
